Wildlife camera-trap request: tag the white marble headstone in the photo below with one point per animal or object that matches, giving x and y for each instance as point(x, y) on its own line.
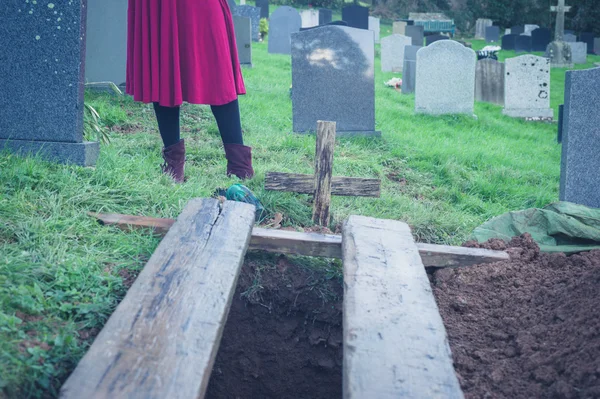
point(527, 87)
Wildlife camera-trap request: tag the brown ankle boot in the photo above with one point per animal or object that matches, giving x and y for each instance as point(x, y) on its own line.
point(239, 161)
point(174, 156)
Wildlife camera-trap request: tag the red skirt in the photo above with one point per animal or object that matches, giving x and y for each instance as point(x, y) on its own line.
point(182, 50)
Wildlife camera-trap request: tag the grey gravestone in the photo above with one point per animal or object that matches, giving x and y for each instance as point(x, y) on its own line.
point(409, 69)
point(243, 39)
point(42, 77)
point(374, 26)
point(480, 27)
point(571, 38)
point(540, 39)
point(523, 44)
point(561, 109)
point(325, 16)
point(489, 81)
point(254, 14)
point(559, 54)
point(106, 43)
point(264, 8)
point(569, 31)
point(434, 38)
point(597, 45)
point(527, 87)
point(310, 18)
point(232, 4)
point(578, 52)
point(492, 34)
point(530, 28)
point(283, 22)
point(588, 38)
point(517, 30)
point(579, 177)
point(392, 52)
point(339, 87)
point(399, 27)
point(445, 79)
point(356, 16)
point(416, 33)
point(508, 42)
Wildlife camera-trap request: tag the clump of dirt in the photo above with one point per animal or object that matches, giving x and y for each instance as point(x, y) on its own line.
point(524, 328)
point(283, 337)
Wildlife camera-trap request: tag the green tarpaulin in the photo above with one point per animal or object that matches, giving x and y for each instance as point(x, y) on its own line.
point(558, 227)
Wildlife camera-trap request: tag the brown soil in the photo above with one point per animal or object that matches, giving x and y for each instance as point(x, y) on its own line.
point(283, 337)
point(524, 328)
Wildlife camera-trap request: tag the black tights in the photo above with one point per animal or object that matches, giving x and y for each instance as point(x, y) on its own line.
point(227, 116)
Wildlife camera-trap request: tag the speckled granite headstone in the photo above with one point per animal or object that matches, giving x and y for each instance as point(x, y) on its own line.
point(588, 38)
point(579, 177)
point(392, 52)
point(523, 44)
point(508, 41)
point(527, 87)
point(409, 69)
point(106, 45)
point(489, 81)
point(333, 79)
point(416, 33)
point(356, 16)
point(374, 26)
point(492, 34)
point(561, 109)
point(264, 8)
point(243, 39)
point(445, 79)
point(254, 14)
point(325, 16)
point(283, 22)
point(540, 39)
point(569, 37)
point(310, 18)
point(232, 4)
point(434, 38)
point(42, 80)
point(578, 52)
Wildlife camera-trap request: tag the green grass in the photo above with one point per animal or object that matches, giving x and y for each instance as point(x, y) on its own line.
point(61, 274)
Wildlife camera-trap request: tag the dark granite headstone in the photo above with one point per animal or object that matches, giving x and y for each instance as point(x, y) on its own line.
point(254, 14)
point(561, 110)
point(283, 22)
point(517, 29)
point(243, 39)
point(569, 31)
point(337, 87)
point(415, 32)
point(356, 16)
point(523, 44)
point(492, 34)
point(409, 69)
point(508, 42)
point(588, 38)
point(325, 16)
point(489, 81)
point(579, 177)
point(540, 39)
point(264, 8)
point(434, 38)
point(42, 80)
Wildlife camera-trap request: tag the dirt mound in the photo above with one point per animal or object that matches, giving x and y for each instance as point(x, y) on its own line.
point(524, 328)
point(283, 337)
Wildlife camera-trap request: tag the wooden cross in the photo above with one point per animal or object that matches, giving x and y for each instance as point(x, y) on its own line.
point(560, 10)
point(322, 185)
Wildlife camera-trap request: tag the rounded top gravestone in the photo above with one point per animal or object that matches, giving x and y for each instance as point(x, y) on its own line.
point(283, 22)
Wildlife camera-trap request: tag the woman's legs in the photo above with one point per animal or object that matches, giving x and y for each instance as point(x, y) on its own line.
point(174, 148)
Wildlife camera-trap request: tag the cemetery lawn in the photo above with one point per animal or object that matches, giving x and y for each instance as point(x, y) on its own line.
point(62, 274)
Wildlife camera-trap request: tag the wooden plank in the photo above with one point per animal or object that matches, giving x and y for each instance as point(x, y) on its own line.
point(162, 339)
point(314, 244)
point(323, 172)
point(395, 343)
point(305, 184)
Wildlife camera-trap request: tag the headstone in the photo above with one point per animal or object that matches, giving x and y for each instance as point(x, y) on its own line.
point(540, 39)
point(517, 29)
point(561, 109)
point(530, 28)
point(507, 31)
point(445, 79)
point(597, 46)
point(523, 44)
point(232, 4)
point(569, 31)
point(399, 27)
point(356, 16)
point(492, 34)
point(283, 22)
point(374, 26)
point(578, 52)
point(527, 87)
point(243, 39)
point(264, 8)
point(106, 42)
point(508, 42)
point(480, 27)
point(392, 52)
point(254, 14)
point(416, 33)
point(570, 38)
point(559, 54)
point(42, 88)
point(333, 79)
point(243, 2)
point(579, 177)
point(588, 38)
point(325, 16)
point(434, 38)
point(409, 69)
point(310, 18)
point(489, 81)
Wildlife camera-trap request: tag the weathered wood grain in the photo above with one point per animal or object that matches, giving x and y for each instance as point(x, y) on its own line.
point(305, 184)
point(395, 343)
point(440, 256)
point(323, 172)
point(296, 243)
point(162, 339)
point(160, 226)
